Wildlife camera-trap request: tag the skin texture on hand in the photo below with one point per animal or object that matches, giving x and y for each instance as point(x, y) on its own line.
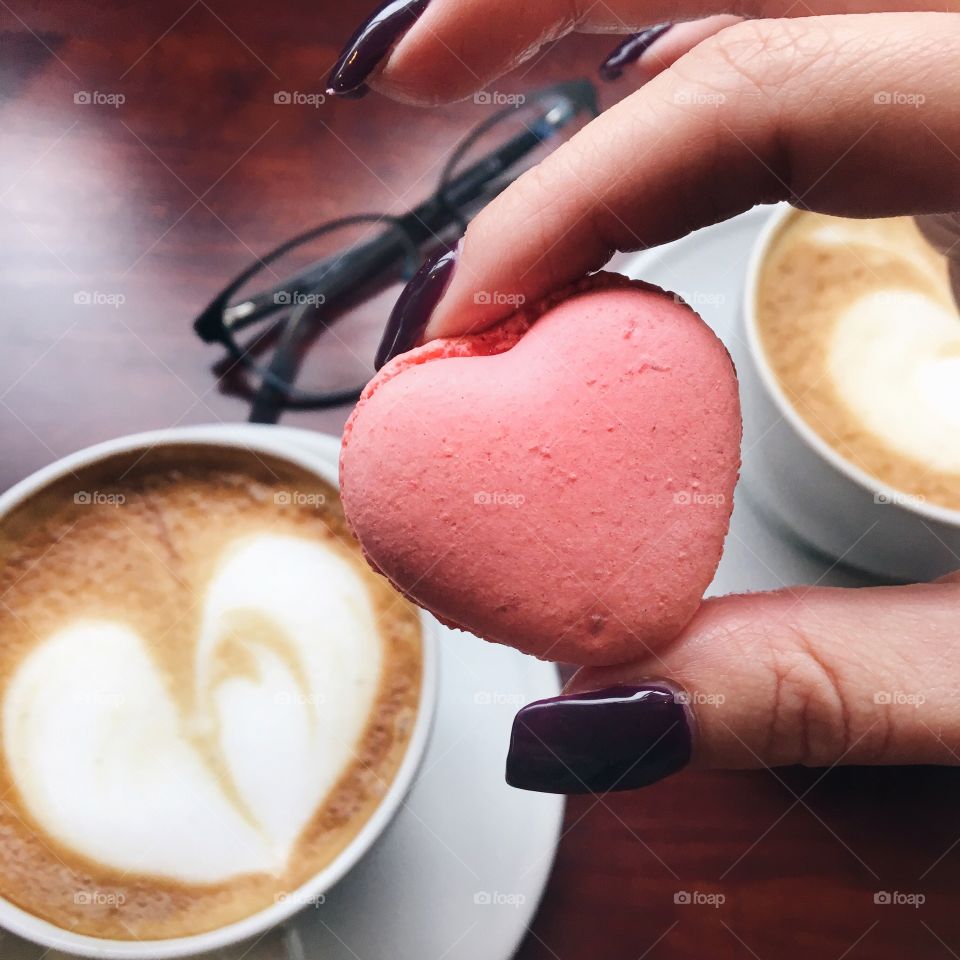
point(849, 109)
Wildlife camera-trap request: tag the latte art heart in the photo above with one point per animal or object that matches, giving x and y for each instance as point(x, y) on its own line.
point(205, 693)
point(124, 771)
point(895, 360)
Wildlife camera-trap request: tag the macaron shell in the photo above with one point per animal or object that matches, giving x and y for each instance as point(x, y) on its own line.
point(562, 484)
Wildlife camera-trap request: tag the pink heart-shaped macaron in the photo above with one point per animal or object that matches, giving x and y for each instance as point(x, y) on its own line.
point(562, 483)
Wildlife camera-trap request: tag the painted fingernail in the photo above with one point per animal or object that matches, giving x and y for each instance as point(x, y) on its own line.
point(370, 44)
point(631, 50)
point(409, 317)
point(619, 738)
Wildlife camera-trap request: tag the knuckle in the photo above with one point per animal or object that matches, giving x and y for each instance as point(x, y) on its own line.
point(763, 56)
point(816, 717)
point(759, 50)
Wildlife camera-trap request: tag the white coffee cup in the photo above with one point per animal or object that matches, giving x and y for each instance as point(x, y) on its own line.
point(323, 463)
point(796, 476)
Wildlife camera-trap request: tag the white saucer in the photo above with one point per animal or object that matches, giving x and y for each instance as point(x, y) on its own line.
point(707, 269)
point(460, 871)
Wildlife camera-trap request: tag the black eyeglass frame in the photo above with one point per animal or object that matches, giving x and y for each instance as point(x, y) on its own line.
point(400, 247)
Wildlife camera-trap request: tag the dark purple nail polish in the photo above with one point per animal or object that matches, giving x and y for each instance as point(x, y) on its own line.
point(370, 44)
point(619, 738)
point(416, 302)
point(630, 51)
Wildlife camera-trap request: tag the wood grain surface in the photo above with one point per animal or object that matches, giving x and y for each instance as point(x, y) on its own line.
point(154, 204)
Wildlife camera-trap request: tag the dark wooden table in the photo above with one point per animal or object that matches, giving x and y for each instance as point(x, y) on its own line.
point(162, 199)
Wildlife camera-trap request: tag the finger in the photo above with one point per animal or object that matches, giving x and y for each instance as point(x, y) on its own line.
point(457, 47)
point(852, 116)
point(651, 51)
point(810, 676)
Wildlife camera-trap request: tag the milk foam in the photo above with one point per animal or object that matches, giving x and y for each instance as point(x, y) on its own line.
point(895, 361)
point(110, 765)
point(860, 233)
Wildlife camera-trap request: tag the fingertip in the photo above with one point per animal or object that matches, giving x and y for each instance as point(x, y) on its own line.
point(408, 77)
point(458, 314)
point(400, 52)
point(428, 65)
point(643, 55)
point(467, 305)
point(422, 71)
point(370, 44)
point(630, 51)
point(454, 50)
point(617, 738)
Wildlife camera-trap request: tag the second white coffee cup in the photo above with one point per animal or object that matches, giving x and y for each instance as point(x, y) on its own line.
point(798, 478)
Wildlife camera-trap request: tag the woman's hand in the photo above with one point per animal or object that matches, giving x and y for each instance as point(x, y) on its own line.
point(805, 675)
point(854, 115)
point(761, 110)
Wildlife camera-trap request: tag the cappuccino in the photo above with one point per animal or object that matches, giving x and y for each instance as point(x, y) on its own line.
point(859, 324)
point(204, 691)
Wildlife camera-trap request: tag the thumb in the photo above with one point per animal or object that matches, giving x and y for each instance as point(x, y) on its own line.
point(813, 676)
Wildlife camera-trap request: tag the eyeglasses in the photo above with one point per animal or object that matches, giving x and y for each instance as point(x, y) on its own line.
point(305, 320)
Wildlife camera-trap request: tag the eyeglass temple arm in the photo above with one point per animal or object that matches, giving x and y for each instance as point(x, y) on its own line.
point(432, 218)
